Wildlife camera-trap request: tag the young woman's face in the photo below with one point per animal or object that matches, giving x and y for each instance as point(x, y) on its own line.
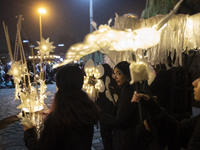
point(196, 84)
point(119, 77)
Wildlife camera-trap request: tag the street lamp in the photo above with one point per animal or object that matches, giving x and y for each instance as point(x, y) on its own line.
point(41, 12)
point(96, 56)
point(91, 56)
point(86, 58)
point(91, 15)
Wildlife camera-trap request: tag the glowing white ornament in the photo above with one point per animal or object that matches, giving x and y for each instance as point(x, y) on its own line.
point(45, 47)
point(92, 84)
point(29, 102)
point(138, 72)
point(17, 70)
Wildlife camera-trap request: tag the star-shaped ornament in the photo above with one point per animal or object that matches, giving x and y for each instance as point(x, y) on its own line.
point(45, 47)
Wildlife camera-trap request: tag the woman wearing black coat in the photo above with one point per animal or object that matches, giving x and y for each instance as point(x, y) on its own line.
point(185, 133)
point(126, 118)
point(69, 124)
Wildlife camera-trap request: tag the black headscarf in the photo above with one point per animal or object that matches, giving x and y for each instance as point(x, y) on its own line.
point(123, 66)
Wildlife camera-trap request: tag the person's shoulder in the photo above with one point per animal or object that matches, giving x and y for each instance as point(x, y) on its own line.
point(128, 88)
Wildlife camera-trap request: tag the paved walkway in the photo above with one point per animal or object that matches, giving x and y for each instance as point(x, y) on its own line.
point(11, 138)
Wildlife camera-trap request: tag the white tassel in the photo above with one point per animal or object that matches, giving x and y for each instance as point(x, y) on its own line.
point(94, 24)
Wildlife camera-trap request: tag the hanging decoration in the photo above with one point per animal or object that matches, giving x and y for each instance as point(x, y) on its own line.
point(159, 36)
point(92, 84)
point(108, 40)
point(180, 34)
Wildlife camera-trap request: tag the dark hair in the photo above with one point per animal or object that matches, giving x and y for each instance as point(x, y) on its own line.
point(123, 66)
point(71, 105)
point(107, 71)
point(69, 78)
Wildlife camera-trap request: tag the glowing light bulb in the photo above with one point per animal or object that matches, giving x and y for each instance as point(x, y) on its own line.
point(42, 11)
point(44, 47)
point(15, 71)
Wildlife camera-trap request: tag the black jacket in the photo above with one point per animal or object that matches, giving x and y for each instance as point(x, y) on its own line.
point(185, 133)
point(71, 136)
point(126, 118)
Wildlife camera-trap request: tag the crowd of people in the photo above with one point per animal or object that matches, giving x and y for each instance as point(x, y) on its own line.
point(132, 120)
point(6, 80)
point(48, 70)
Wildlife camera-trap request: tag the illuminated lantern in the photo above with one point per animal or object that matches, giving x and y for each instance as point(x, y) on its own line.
point(92, 84)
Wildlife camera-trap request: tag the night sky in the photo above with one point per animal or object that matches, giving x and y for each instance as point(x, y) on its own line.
point(64, 18)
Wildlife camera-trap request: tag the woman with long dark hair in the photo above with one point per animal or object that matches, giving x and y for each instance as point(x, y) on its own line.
point(69, 124)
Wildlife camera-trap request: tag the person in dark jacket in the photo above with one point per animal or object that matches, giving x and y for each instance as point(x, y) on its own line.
point(185, 133)
point(107, 102)
point(69, 124)
point(126, 118)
